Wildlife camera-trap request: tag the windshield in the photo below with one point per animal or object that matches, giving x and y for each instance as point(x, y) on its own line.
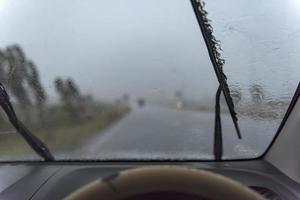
point(105, 80)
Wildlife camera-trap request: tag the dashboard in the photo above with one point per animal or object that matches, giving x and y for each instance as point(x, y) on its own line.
point(48, 181)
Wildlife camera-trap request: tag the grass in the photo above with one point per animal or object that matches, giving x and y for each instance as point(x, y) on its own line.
point(65, 138)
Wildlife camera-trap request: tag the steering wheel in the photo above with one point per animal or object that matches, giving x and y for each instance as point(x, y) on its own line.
point(165, 182)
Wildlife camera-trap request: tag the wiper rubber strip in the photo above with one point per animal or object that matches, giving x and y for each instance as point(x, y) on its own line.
point(37, 145)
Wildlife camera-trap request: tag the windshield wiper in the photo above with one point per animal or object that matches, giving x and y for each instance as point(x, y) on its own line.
point(37, 145)
point(213, 48)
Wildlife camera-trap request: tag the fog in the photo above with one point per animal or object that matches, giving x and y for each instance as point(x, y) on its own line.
point(154, 48)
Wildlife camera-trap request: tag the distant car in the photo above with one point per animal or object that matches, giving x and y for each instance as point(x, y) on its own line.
point(141, 102)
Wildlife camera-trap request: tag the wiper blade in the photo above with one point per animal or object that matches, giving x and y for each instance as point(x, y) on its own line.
point(37, 145)
point(213, 48)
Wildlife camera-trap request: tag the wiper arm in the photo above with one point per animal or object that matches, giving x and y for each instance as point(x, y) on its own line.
point(212, 47)
point(218, 140)
point(37, 145)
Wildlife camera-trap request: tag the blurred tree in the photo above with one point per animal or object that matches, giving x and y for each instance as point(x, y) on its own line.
point(16, 74)
point(2, 78)
point(34, 82)
point(70, 97)
point(2, 63)
point(72, 89)
point(33, 79)
point(61, 90)
point(21, 78)
point(59, 86)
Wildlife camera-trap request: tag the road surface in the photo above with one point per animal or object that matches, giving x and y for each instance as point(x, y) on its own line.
point(157, 133)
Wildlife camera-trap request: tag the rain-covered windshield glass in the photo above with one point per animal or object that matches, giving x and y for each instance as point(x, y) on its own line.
point(133, 80)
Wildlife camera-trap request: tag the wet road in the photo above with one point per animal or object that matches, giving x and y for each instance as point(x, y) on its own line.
point(156, 133)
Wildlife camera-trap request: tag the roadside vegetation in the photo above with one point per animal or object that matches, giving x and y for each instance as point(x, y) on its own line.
point(65, 136)
point(64, 124)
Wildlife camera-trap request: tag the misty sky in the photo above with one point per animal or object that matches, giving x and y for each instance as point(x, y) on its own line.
point(153, 48)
